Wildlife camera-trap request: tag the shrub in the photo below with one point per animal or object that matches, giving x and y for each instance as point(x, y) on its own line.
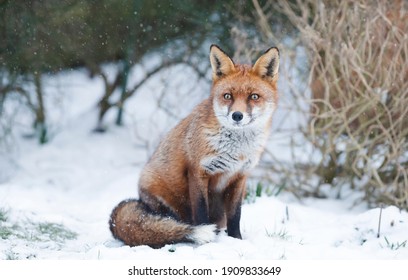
point(358, 121)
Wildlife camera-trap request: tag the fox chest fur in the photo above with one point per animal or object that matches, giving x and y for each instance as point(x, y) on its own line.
point(235, 150)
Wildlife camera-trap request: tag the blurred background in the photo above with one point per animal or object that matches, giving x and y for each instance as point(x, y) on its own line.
point(343, 115)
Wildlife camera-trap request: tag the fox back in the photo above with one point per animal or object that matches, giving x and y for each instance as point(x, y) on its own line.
point(198, 173)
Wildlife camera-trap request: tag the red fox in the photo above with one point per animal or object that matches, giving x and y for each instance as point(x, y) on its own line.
point(194, 183)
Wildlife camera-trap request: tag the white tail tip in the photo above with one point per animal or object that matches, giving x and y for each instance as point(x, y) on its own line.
point(204, 234)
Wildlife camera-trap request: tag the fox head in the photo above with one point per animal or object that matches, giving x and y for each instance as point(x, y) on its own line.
point(243, 95)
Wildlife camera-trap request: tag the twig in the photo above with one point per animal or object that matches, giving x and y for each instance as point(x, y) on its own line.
point(379, 221)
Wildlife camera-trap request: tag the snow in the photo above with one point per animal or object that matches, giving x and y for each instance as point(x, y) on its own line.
point(75, 181)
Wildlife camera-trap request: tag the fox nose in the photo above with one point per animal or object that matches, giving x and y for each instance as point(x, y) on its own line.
point(237, 116)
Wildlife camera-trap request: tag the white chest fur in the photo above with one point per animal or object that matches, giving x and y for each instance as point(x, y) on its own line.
point(236, 150)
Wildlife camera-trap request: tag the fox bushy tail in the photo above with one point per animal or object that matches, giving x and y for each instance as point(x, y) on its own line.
point(132, 223)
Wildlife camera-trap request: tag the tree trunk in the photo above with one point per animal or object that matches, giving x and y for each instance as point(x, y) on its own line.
point(39, 124)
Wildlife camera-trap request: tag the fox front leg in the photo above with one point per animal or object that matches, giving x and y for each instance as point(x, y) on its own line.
point(233, 200)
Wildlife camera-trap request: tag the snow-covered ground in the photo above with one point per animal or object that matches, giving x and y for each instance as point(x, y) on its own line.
point(55, 199)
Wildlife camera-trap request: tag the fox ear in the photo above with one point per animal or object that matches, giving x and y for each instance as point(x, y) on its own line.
point(221, 63)
point(267, 65)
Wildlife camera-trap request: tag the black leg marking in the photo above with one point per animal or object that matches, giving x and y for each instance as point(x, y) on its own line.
point(233, 223)
point(201, 212)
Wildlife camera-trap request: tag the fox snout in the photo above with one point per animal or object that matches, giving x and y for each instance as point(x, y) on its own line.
point(237, 116)
point(233, 117)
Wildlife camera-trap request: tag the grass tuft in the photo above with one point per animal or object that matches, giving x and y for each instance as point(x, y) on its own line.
point(10, 255)
point(281, 234)
point(33, 232)
point(254, 191)
point(5, 232)
point(55, 232)
point(395, 246)
point(3, 215)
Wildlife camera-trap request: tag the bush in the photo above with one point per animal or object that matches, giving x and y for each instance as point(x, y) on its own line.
point(358, 53)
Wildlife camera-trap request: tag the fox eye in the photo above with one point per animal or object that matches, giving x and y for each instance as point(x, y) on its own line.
point(227, 96)
point(254, 96)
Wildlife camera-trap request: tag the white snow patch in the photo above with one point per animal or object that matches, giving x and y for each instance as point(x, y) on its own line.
point(76, 180)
